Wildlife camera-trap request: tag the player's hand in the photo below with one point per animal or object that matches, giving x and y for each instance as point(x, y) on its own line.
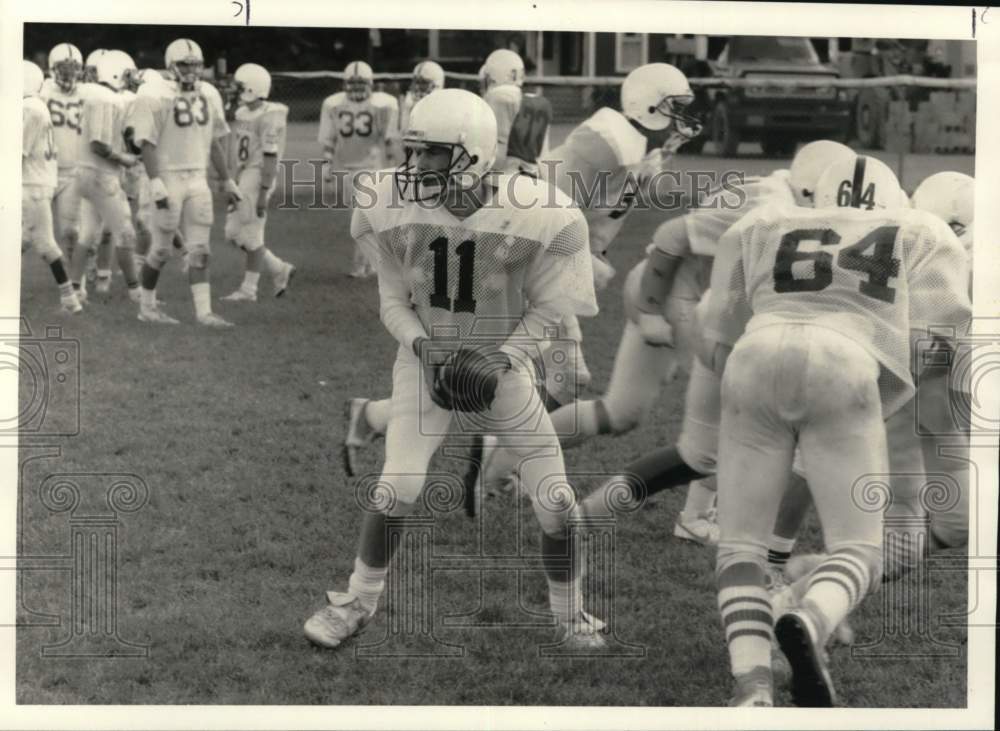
point(126, 159)
point(603, 271)
point(233, 193)
point(261, 202)
point(655, 330)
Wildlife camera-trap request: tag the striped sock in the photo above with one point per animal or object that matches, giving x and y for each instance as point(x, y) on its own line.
point(837, 586)
point(779, 550)
point(747, 619)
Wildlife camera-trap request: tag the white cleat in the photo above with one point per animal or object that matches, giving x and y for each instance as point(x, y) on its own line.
point(343, 618)
point(283, 278)
point(213, 320)
point(703, 529)
point(70, 305)
point(81, 295)
point(239, 296)
point(754, 688)
point(799, 640)
point(156, 315)
point(583, 632)
point(359, 433)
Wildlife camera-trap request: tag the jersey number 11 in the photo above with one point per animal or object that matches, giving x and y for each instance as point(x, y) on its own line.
point(466, 266)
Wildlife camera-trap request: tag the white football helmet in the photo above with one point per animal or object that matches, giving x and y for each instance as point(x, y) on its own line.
point(254, 82)
point(482, 79)
point(90, 65)
point(359, 80)
point(66, 66)
point(117, 70)
point(859, 181)
point(447, 118)
point(809, 163)
point(655, 96)
point(951, 197)
point(427, 77)
point(154, 85)
point(33, 78)
point(185, 60)
point(503, 67)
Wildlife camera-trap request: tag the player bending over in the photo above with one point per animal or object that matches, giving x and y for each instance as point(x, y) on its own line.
point(39, 178)
point(809, 324)
point(178, 136)
point(258, 140)
point(454, 276)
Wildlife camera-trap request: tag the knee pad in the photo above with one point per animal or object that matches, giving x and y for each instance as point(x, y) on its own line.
point(622, 420)
point(731, 553)
point(699, 449)
point(127, 238)
point(157, 256)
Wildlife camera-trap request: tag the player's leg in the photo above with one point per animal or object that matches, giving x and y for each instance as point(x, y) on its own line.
point(196, 225)
point(241, 229)
point(37, 231)
point(165, 224)
point(843, 443)
point(756, 443)
point(794, 507)
point(116, 219)
point(66, 208)
point(364, 419)
point(542, 474)
point(414, 433)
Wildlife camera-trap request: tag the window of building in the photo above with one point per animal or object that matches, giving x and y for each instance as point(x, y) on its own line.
point(631, 50)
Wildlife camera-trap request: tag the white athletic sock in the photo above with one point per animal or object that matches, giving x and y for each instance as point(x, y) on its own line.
point(836, 587)
point(202, 295)
point(377, 415)
point(700, 499)
point(747, 620)
point(147, 298)
point(367, 584)
point(272, 263)
point(250, 280)
point(104, 274)
point(566, 598)
point(66, 290)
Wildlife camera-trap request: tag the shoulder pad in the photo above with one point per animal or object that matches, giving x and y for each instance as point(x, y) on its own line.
point(381, 99)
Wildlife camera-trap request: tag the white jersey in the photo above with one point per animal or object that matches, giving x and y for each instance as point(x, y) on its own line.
point(870, 275)
point(66, 112)
point(182, 125)
point(357, 131)
point(39, 166)
point(476, 275)
point(603, 166)
point(104, 122)
point(257, 132)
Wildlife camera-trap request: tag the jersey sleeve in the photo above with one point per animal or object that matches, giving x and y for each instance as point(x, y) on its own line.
point(728, 309)
point(220, 128)
point(98, 121)
point(273, 130)
point(145, 117)
point(938, 281)
point(561, 277)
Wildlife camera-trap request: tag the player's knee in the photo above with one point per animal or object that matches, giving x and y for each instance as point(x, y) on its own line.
point(157, 257)
point(740, 556)
point(622, 418)
point(197, 258)
point(698, 453)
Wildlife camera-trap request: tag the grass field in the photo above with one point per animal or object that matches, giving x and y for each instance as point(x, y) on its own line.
point(251, 518)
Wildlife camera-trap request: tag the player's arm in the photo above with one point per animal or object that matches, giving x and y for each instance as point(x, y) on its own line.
point(220, 161)
point(103, 150)
point(670, 247)
point(723, 316)
point(97, 125)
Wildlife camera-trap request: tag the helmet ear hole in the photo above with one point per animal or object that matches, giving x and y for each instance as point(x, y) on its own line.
point(473, 159)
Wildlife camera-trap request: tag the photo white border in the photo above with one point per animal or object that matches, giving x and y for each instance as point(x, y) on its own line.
point(741, 18)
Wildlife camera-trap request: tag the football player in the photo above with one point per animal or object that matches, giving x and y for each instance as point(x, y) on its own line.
point(454, 276)
point(63, 96)
point(661, 298)
point(90, 66)
point(522, 119)
point(39, 178)
point(258, 141)
point(809, 323)
point(355, 129)
point(178, 137)
point(428, 76)
point(102, 159)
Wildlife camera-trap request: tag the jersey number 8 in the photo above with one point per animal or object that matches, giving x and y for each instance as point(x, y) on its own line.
point(188, 112)
point(880, 265)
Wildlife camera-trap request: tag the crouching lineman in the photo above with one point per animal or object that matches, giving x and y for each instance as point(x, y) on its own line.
point(39, 178)
point(178, 135)
point(448, 264)
point(356, 129)
point(257, 142)
point(827, 299)
point(103, 157)
point(661, 296)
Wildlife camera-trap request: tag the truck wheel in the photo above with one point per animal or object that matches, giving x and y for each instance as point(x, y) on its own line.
point(778, 146)
point(724, 135)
